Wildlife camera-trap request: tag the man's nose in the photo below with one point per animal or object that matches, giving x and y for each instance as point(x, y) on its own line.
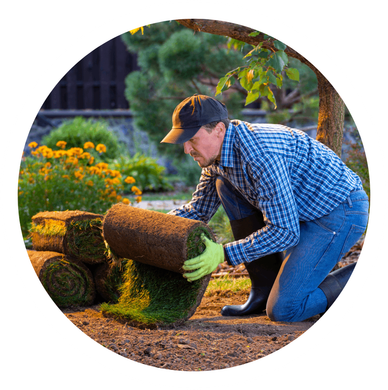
point(187, 147)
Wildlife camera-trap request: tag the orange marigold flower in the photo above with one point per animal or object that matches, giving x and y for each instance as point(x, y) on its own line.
point(126, 201)
point(136, 190)
point(101, 148)
point(32, 145)
point(48, 153)
point(78, 175)
point(72, 160)
point(90, 183)
point(76, 151)
point(129, 180)
point(102, 165)
point(138, 199)
point(61, 144)
point(88, 145)
point(94, 170)
point(66, 176)
point(118, 197)
point(116, 181)
point(85, 155)
point(115, 173)
point(108, 181)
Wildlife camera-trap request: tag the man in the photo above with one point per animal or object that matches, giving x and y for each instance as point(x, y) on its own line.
point(295, 209)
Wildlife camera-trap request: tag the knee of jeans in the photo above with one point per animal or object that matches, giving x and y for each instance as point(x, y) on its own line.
point(279, 312)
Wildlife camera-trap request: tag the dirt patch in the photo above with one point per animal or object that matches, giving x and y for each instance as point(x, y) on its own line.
point(207, 341)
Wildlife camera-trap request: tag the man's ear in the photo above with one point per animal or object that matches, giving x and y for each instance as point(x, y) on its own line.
point(220, 128)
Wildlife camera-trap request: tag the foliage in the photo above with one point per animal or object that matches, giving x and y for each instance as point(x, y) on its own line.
point(59, 179)
point(263, 68)
point(188, 170)
point(147, 173)
point(357, 162)
point(174, 63)
point(79, 130)
point(221, 226)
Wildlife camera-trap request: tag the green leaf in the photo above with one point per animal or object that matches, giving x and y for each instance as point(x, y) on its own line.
point(221, 84)
point(271, 77)
point(271, 97)
point(279, 80)
point(251, 97)
point(278, 61)
point(279, 45)
point(293, 73)
point(243, 73)
point(254, 34)
point(245, 83)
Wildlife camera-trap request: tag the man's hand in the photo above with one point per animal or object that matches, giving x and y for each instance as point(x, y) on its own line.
point(206, 262)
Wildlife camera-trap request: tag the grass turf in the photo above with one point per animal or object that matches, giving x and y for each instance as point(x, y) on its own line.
point(151, 295)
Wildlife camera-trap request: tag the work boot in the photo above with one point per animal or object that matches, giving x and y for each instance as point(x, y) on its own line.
point(262, 271)
point(335, 282)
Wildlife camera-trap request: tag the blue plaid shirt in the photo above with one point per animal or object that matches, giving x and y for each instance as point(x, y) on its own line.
point(281, 171)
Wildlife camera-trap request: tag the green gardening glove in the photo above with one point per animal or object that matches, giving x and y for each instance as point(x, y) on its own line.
point(206, 262)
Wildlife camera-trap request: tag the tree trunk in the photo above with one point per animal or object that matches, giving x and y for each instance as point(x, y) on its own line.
point(331, 116)
point(331, 106)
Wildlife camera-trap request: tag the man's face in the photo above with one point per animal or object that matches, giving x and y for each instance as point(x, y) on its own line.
point(205, 147)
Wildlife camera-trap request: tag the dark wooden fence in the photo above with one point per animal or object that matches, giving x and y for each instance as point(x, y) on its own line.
point(96, 82)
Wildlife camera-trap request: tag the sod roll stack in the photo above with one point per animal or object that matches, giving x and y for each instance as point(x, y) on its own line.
point(68, 282)
point(74, 233)
point(154, 292)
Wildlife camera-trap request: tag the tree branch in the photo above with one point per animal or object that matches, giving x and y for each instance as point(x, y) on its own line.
point(240, 33)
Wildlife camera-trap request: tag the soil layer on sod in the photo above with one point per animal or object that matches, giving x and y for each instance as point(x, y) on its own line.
point(68, 281)
point(74, 233)
point(153, 238)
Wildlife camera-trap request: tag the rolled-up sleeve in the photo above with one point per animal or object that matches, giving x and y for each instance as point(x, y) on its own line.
point(204, 202)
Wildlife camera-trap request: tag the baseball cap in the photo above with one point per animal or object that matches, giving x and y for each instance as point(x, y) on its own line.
point(191, 114)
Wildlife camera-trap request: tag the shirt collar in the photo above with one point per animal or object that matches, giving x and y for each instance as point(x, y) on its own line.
point(227, 151)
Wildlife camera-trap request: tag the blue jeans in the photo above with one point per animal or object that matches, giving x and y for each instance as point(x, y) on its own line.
point(295, 295)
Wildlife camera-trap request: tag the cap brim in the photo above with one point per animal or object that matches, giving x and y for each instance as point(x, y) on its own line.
point(179, 136)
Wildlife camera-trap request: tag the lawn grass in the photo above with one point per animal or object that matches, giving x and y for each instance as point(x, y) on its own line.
point(227, 283)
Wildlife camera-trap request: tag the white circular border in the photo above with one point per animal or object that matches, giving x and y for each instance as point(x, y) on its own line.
point(61, 64)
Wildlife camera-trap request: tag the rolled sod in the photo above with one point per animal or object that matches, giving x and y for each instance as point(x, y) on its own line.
point(153, 238)
point(108, 278)
point(74, 233)
point(68, 281)
point(154, 291)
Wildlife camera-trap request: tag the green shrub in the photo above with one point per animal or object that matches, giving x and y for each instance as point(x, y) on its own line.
point(65, 180)
point(79, 130)
point(149, 175)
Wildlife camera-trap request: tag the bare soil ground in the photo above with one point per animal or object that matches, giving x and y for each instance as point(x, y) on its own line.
point(207, 341)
